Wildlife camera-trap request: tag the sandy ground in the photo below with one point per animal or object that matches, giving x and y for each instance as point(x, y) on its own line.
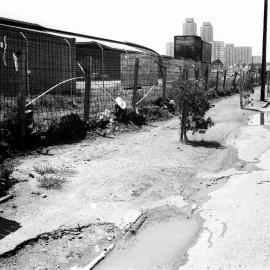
point(111, 183)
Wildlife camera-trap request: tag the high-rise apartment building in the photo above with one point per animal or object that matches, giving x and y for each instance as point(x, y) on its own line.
point(170, 49)
point(244, 55)
point(218, 51)
point(206, 32)
point(229, 55)
point(189, 27)
point(237, 55)
point(257, 59)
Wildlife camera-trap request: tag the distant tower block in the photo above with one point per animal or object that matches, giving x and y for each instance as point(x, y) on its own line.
point(170, 49)
point(207, 32)
point(190, 27)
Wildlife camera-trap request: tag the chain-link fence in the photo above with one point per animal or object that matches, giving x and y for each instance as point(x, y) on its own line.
point(48, 76)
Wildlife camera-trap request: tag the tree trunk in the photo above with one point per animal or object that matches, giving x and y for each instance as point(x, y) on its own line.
point(182, 127)
point(183, 133)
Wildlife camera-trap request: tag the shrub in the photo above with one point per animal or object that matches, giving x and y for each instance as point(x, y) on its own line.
point(10, 130)
point(70, 128)
point(193, 104)
point(6, 181)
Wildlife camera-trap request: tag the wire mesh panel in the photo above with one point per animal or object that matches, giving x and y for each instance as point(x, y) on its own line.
point(64, 75)
point(48, 74)
point(52, 78)
point(148, 86)
point(105, 65)
point(11, 43)
point(53, 75)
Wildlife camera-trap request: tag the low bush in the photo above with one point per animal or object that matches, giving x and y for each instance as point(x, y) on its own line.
point(51, 177)
point(152, 113)
point(193, 103)
point(6, 181)
point(70, 128)
point(51, 181)
point(211, 93)
point(10, 130)
point(46, 169)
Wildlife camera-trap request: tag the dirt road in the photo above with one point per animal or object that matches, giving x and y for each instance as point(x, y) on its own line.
point(131, 190)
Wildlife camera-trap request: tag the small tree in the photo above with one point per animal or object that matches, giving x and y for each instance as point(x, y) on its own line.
point(192, 103)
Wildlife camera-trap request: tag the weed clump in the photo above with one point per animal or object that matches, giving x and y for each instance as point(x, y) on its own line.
point(46, 169)
point(51, 177)
point(51, 181)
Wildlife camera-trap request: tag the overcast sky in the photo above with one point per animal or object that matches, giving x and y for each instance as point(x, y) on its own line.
point(148, 22)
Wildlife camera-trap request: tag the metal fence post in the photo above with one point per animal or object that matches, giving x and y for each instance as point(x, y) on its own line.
point(262, 118)
point(164, 79)
point(135, 83)
point(87, 89)
point(163, 73)
point(224, 79)
point(241, 89)
point(217, 80)
point(256, 79)
point(234, 81)
point(186, 74)
point(268, 81)
point(21, 98)
point(206, 77)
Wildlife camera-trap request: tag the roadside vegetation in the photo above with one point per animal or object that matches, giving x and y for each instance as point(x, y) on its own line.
point(192, 103)
point(51, 177)
point(51, 181)
point(6, 181)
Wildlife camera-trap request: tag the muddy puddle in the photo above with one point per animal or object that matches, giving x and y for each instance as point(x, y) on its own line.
point(259, 119)
point(157, 246)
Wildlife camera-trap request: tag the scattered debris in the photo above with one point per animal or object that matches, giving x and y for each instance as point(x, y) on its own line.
point(263, 182)
point(165, 103)
point(6, 198)
point(35, 192)
point(136, 226)
point(131, 217)
point(99, 258)
point(43, 152)
point(128, 116)
point(121, 103)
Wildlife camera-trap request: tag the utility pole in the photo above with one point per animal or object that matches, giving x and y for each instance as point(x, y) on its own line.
point(264, 50)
